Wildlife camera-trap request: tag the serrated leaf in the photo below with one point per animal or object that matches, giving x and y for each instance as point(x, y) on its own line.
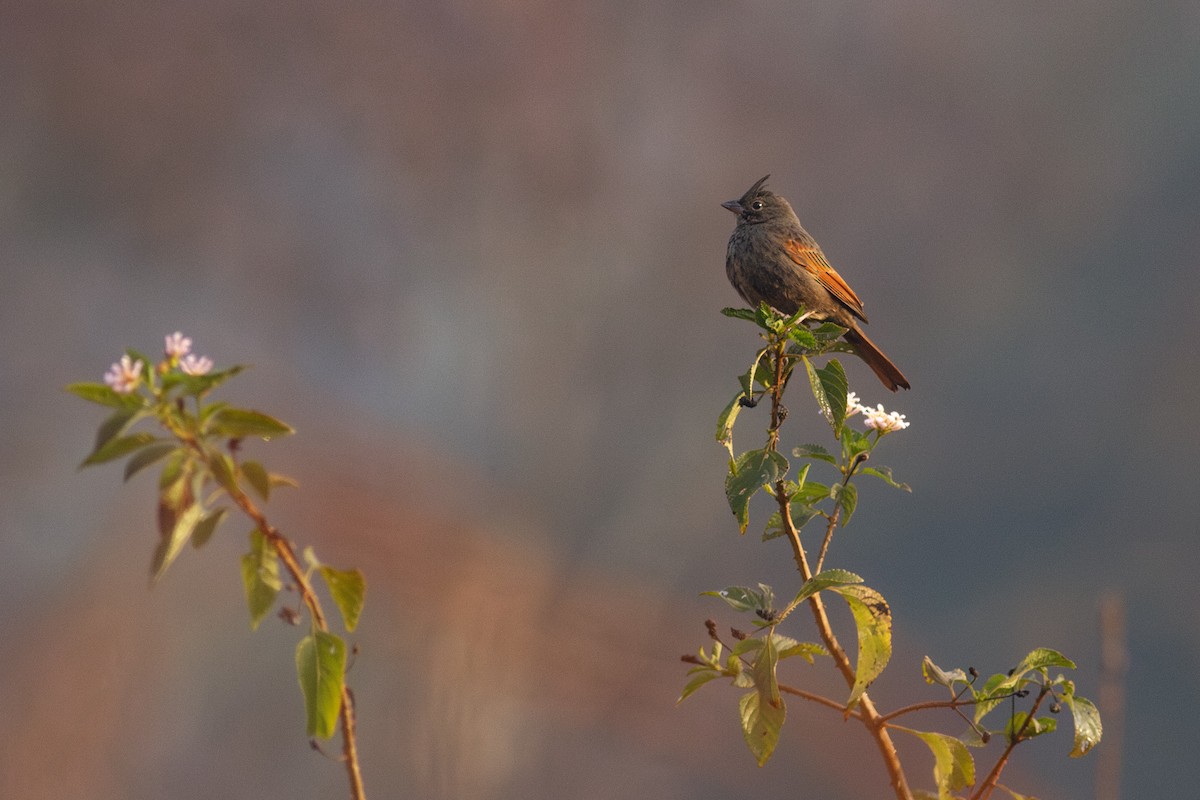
point(171, 544)
point(811, 492)
point(935, 674)
point(147, 456)
point(825, 580)
point(873, 618)
point(727, 419)
point(1088, 729)
point(806, 650)
point(749, 472)
point(743, 598)
point(348, 589)
point(260, 577)
point(118, 447)
point(1042, 658)
point(803, 338)
point(207, 526)
point(740, 313)
point(813, 451)
point(321, 669)
point(954, 767)
point(104, 395)
point(846, 497)
point(829, 387)
point(698, 680)
point(885, 474)
point(258, 479)
point(1036, 727)
point(751, 645)
point(761, 724)
point(239, 423)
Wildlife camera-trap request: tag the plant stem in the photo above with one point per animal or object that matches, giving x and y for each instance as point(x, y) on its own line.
point(989, 783)
point(869, 716)
point(287, 555)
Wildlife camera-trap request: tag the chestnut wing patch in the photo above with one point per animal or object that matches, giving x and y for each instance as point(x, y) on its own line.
point(810, 258)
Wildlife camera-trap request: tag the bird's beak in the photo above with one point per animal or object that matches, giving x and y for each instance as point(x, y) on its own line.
point(732, 205)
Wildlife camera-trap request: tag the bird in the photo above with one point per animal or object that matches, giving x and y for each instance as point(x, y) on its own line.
point(772, 258)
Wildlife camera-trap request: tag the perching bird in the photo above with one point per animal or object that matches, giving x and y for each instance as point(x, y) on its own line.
point(771, 257)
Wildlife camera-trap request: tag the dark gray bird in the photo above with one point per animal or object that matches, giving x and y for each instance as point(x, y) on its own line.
point(771, 257)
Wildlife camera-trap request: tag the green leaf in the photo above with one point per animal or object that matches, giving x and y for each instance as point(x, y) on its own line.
point(885, 474)
point(1042, 658)
point(747, 475)
point(1088, 729)
point(740, 313)
point(873, 618)
point(762, 710)
point(825, 580)
point(829, 387)
point(207, 526)
point(116, 424)
point(743, 598)
point(828, 332)
point(151, 454)
point(953, 767)
point(994, 691)
point(348, 589)
point(222, 468)
point(278, 480)
point(803, 338)
point(845, 496)
point(321, 668)
point(118, 447)
point(813, 451)
point(260, 577)
point(726, 420)
point(1037, 727)
point(239, 423)
point(935, 674)
point(811, 492)
point(258, 479)
point(698, 680)
point(197, 385)
point(806, 650)
point(171, 543)
point(104, 395)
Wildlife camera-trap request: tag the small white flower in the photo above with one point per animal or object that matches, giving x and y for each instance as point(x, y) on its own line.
point(177, 346)
point(124, 375)
point(882, 421)
point(852, 404)
point(195, 366)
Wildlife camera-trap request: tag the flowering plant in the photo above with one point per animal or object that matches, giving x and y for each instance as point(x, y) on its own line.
point(752, 661)
point(199, 444)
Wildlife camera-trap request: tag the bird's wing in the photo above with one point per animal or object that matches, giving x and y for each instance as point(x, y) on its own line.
point(808, 257)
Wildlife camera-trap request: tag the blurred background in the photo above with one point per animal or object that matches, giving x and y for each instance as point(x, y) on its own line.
point(474, 252)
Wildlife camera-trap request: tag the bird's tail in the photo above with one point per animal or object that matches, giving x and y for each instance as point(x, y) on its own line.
point(880, 364)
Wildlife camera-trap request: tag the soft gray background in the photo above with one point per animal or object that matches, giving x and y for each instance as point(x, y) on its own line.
point(474, 252)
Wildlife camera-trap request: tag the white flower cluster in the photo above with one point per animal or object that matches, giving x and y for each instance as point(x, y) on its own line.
point(877, 419)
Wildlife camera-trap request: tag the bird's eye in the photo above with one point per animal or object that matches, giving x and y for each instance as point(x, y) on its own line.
point(757, 205)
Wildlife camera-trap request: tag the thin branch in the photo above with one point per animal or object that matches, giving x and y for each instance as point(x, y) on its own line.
point(985, 789)
point(868, 715)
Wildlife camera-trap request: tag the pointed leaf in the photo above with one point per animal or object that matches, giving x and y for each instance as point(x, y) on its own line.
point(151, 454)
point(749, 473)
point(726, 420)
point(761, 724)
point(885, 474)
point(739, 313)
point(170, 544)
point(873, 618)
point(935, 674)
point(321, 668)
point(258, 479)
point(207, 526)
point(813, 451)
point(953, 768)
point(104, 395)
point(118, 447)
point(825, 580)
point(348, 588)
point(846, 497)
point(1088, 729)
point(1042, 658)
point(260, 577)
point(238, 423)
point(698, 680)
point(829, 387)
